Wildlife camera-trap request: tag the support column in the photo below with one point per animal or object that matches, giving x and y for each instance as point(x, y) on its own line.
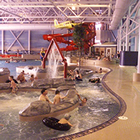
point(127, 36)
point(136, 43)
point(2, 41)
point(124, 46)
point(119, 40)
point(138, 66)
point(136, 76)
point(29, 43)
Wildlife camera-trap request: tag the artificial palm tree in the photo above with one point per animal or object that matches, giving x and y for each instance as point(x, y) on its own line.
point(79, 34)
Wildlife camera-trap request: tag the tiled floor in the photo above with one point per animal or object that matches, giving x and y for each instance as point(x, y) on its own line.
point(120, 80)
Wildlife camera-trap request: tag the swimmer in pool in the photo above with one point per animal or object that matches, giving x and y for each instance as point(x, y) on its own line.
point(65, 119)
point(70, 74)
point(83, 101)
point(94, 80)
point(32, 78)
point(7, 61)
point(78, 76)
point(13, 84)
point(12, 60)
point(21, 77)
point(57, 97)
point(43, 96)
point(8, 81)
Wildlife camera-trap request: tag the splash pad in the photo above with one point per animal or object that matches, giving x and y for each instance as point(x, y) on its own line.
point(54, 55)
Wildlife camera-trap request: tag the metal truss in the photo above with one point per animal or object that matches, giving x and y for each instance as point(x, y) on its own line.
point(130, 27)
point(45, 11)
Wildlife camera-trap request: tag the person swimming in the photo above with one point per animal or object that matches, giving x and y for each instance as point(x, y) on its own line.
point(65, 119)
point(83, 101)
point(78, 76)
point(95, 80)
point(13, 85)
point(57, 97)
point(12, 60)
point(43, 96)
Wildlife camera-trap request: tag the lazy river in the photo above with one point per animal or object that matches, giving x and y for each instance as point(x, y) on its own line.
point(99, 109)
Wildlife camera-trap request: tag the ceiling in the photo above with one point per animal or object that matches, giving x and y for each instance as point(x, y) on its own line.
point(45, 11)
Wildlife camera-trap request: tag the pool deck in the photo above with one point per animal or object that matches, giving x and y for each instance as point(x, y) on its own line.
point(120, 80)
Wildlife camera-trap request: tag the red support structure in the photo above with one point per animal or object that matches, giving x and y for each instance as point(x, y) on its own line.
point(63, 59)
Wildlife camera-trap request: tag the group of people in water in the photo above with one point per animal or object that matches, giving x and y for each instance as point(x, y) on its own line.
point(57, 99)
point(44, 97)
point(71, 75)
point(14, 60)
point(20, 79)
point(74, 75)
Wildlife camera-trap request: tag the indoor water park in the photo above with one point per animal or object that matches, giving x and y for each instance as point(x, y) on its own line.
point(70, 70)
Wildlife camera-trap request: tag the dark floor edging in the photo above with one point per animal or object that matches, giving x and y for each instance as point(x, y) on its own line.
point(122, 103)
point(105, 124)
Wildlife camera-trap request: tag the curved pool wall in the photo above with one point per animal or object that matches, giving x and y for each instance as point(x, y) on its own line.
point(107, 123)
point(112, 120)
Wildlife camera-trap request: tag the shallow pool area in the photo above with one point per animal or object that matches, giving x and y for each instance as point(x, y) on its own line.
point(12, 65)
point(100, 108)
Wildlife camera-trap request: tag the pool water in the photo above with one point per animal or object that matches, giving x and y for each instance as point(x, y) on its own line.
point(12, 65)
point(100, 108)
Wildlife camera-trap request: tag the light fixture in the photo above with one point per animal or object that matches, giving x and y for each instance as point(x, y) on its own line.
point(73, 7)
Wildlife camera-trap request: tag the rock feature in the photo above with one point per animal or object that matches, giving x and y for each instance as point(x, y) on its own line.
point(4, 86)
point(4, 74)
point(55, 82)
point(70, 100)
point(42, 108)
point(36, 108)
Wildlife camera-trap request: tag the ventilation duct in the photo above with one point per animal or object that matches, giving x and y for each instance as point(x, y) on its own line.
point(26, 26)
point(120, 9)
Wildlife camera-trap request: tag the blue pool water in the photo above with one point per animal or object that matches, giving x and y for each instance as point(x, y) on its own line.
point(99, 109)
point(12, 65)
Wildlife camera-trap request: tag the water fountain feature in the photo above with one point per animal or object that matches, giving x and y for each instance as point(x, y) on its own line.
point(53, 41)
point(54, 60)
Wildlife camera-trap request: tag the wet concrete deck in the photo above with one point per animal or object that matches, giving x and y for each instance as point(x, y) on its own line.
point(120, 80)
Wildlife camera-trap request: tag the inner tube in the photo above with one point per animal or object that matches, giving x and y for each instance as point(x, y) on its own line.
point(53, 123)
point(78, 79)
point(94, 80)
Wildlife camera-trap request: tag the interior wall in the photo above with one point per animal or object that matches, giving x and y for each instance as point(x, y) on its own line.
point(107, 36)
point(21, 43)
point(37, 41)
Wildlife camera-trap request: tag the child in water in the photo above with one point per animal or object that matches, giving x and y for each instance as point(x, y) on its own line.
point(13, 84)
point(83, 101)
point(32, 78)
point(57, 97)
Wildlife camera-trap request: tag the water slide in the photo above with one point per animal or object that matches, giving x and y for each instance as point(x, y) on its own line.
point(60, 38)
point(89, 39)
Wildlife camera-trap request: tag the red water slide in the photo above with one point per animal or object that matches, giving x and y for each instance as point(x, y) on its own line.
point(88, 41)
point(59, 38)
